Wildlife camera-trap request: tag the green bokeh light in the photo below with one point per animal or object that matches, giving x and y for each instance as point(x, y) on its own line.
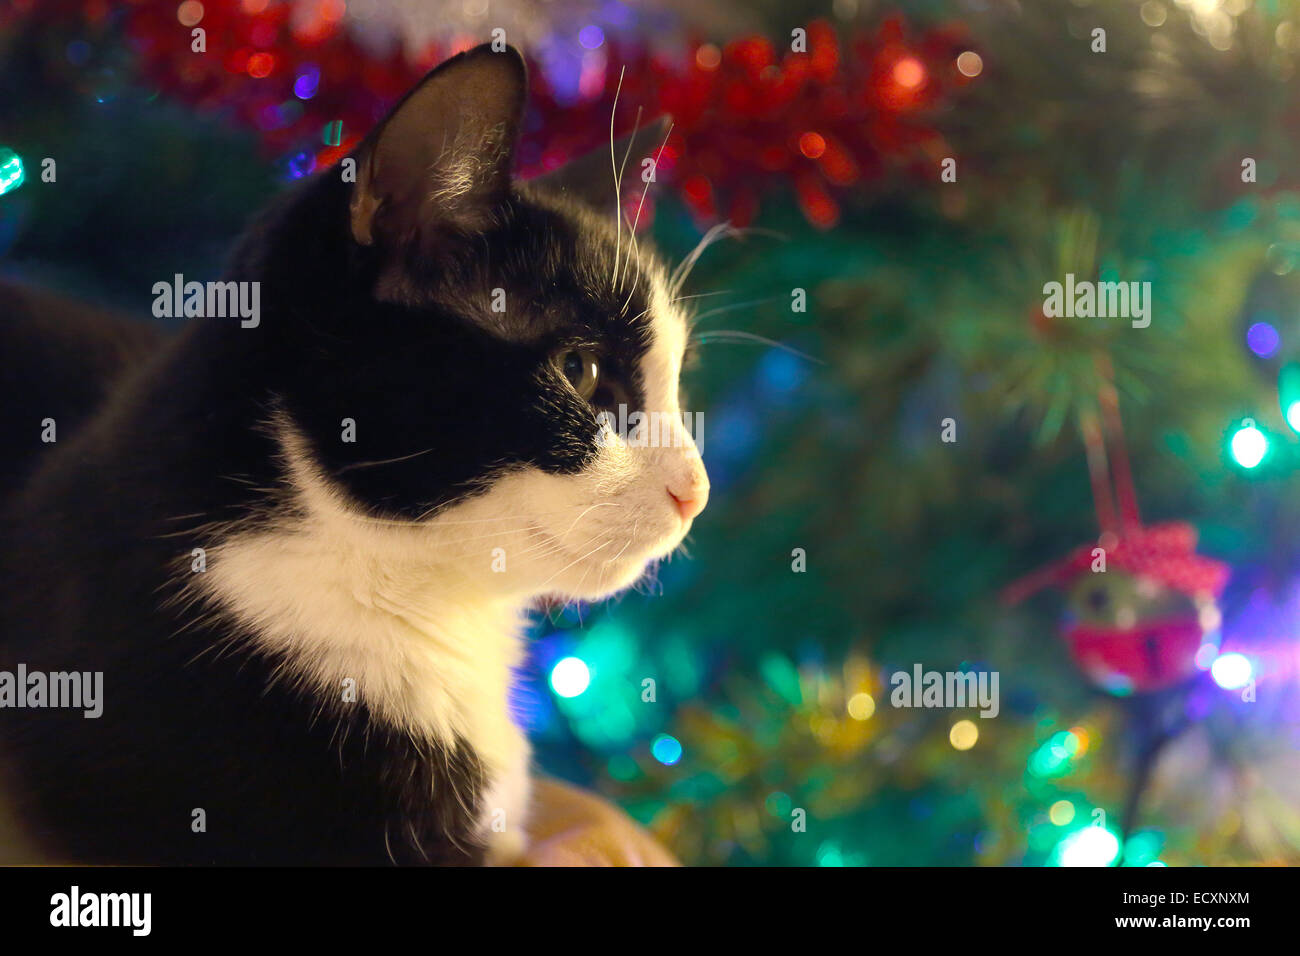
point(12, 174)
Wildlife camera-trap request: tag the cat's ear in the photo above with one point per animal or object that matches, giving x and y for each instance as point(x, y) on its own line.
point(442, 157)
point(590, 177)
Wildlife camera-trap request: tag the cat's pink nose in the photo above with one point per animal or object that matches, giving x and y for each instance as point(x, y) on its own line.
point(689, 507)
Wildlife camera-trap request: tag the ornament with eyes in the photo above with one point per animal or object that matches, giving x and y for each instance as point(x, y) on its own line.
point(1131, 633)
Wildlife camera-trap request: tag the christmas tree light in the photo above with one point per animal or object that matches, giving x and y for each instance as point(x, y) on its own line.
point(1249, 445)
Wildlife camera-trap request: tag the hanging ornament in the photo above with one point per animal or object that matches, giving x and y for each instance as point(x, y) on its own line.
point(1137, 627)
point(1140, 602)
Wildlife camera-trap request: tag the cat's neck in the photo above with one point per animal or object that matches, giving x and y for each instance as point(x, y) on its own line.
point(362, 609)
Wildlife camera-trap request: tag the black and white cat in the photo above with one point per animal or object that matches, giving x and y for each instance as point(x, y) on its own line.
point(332, 688)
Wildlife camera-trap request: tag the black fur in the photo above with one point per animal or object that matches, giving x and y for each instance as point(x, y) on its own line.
point(61, 358)
point(98, 541)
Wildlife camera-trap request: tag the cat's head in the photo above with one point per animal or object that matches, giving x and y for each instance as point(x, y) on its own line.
point(473, 328)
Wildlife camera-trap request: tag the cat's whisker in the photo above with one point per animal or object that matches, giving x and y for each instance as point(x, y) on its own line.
point(724, 230)
point(735, 336)
point(195, 532)
point(618, 212)
point(585, 513)
point(527, 529)
point(609, 539)
point(618, 185)
point(637, 221)
point(578, 587)
point(547, 546)
point(600, 582)
point(649, 580)
point(558, 550)
point(552, 544)
point(557, 539)
point(732, 307)
point(386, 461)
point(699, 295)
point(682, 272)
point(636, 526)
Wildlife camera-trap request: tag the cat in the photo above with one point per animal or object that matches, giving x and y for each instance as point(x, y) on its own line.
point(302, 553)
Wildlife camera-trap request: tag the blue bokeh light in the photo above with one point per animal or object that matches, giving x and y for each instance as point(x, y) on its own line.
point(305, 86)
point(1263, 339)
point(666, 749)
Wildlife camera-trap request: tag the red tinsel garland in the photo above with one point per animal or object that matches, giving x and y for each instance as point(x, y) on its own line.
point(747, 117)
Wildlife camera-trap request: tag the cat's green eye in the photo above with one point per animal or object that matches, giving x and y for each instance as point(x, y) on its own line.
point(581, 369)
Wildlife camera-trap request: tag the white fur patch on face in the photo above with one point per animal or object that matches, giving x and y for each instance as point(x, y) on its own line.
point(596, 531)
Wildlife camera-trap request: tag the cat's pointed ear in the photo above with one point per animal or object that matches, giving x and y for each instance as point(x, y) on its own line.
point(590, 177)
point(442, 157)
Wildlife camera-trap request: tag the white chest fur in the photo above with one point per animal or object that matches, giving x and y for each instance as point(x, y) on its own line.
point(361, 610)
